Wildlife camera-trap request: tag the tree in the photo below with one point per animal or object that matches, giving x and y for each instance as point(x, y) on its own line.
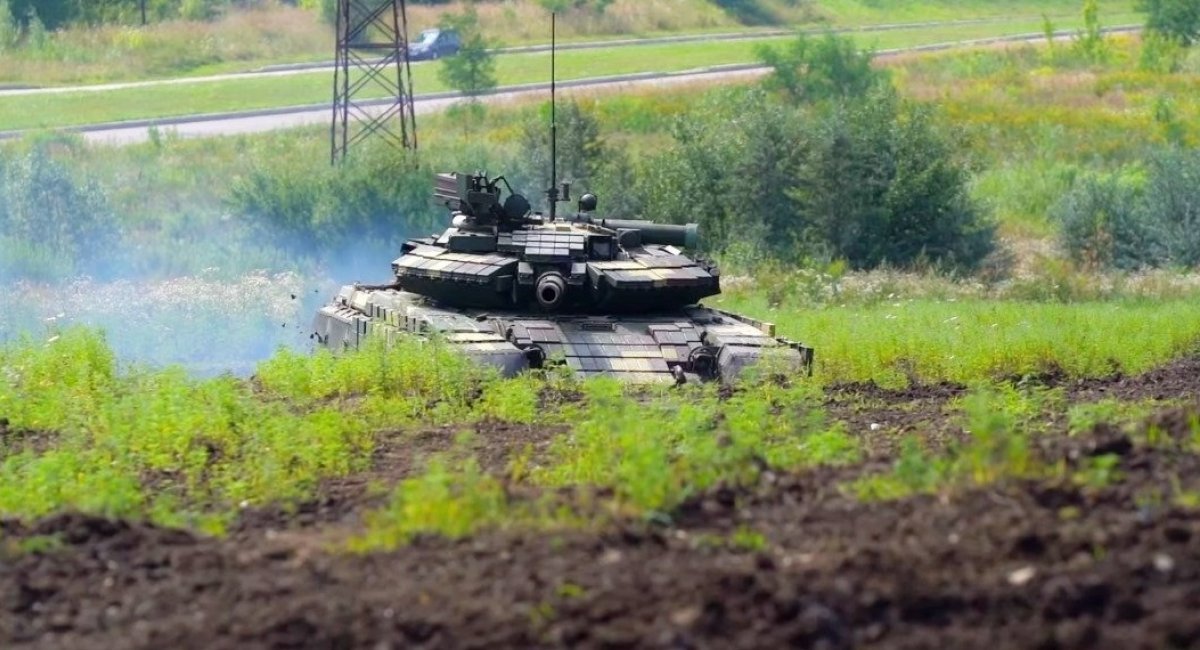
point(326, 9)
point(748, 12)
point(52, 13)
point(9, 32)
point(581, 150)
point(1090, 42)
point(814, 69)
point(473, 70)
point(1177, 19)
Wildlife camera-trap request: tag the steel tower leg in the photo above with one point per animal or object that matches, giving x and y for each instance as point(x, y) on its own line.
point(372, 81)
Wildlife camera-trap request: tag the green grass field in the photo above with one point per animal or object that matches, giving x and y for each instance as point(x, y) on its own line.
point(82, 428)
point(263, 35)
point(67, 109)
point(84, 432)
point(977, 340)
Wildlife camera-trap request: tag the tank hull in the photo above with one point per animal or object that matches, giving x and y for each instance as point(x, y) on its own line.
point(692, 343)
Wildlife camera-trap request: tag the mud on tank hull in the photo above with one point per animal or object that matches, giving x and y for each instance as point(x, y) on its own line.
point(689, 344)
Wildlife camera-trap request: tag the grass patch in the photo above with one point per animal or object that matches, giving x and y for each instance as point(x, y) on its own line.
point(248, 38)
point(1082, 418)
point(629, 454)
point(76, 108)
point(1038, 117)
point(857, 11)
point(1000, 422)
point(927, 341)
point(138, 443)
point(159, 444)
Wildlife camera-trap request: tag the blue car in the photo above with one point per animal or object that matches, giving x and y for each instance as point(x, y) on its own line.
point(434, 44)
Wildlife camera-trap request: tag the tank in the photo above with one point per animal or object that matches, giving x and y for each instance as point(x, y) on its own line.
point(520, 290)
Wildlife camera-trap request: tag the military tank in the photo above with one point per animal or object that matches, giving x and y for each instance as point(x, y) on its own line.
point(517, 290)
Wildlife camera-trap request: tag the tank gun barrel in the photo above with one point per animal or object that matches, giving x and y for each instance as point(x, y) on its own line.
point(664, 234)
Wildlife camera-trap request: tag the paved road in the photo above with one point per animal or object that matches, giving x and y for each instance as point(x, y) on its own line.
point(268, 120)
point(288, 117)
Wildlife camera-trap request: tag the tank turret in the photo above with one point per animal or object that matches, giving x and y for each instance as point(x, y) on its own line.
point(519, 289)
point(499, 254)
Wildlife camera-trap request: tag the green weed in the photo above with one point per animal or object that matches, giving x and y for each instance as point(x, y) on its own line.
point(1184, 498)
point(967, 340)
point(1081, 418)
point(747, 539)
point(649, 450)
point(1099, 472)
point(513, 401)
point(32, 545)
point(657, 454)
point(915, 472)
point(447, 500)
point(999, 423)
point(161, 444)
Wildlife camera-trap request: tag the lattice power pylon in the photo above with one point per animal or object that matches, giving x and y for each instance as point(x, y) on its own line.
point(372, 81)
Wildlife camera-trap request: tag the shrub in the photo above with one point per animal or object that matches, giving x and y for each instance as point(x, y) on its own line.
point(871, 181)
point(1173, 198)
point(311, 209)
point(597, 6)
point(1128, 222)
point(882, 185)
point(1104, 224)
point(1161, 54)
point(326, 9)
point(1178, 19)
point(202, 9)
point(729, 171)
point(35, 30)
point(748, 12)
point(9, 32)
point(53, 225)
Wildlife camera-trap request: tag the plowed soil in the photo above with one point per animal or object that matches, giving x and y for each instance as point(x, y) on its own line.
point(792, 561)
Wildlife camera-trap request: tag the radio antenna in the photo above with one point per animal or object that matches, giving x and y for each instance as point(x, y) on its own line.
point(552, 193)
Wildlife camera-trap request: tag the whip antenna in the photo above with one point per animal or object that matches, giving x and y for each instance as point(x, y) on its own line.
point(552, 193)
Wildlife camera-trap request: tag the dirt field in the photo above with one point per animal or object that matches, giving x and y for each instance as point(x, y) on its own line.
point(1021, 564)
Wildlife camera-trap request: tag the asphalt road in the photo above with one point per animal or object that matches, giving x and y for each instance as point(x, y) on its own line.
point(294, 116)
point(272, 119)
